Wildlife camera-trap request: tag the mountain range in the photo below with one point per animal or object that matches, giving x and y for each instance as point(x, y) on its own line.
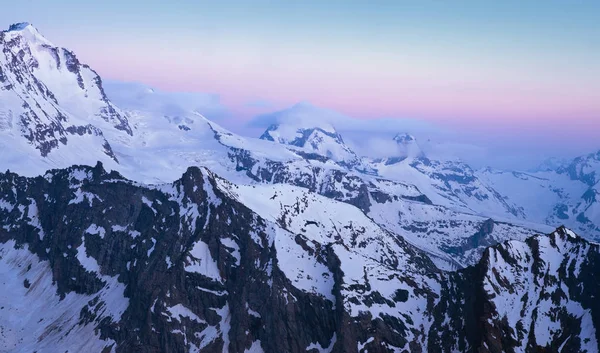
point(145, 226)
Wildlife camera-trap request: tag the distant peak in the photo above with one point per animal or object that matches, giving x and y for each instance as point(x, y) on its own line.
point(551, 164)
point(18, 26)
point(304, 116)
point(404, 138)
point(408, 146)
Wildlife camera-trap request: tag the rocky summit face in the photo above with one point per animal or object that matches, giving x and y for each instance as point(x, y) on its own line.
point(50, 99)
point(93, 261)
point(321, 142)
point(185, 237)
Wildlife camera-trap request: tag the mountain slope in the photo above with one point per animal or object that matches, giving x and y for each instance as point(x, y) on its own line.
point(160, 141)
point(532, 296)
point(185, 266)
point(448, 183)
point(52, 103)
point(188, 267)
point(452, 240)
point(566, 195)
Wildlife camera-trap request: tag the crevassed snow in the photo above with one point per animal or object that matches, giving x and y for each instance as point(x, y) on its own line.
point(558, 198)
point(18, 27)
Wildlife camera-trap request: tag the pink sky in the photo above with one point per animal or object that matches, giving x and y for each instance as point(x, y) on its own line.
point(541, 81)
point(369, 85)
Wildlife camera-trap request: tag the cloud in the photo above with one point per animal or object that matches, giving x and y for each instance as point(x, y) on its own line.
point(369, 137)
point(374, 137)
point(137, 96)
point(310, 114)
point(375, 147)
point(302, 113)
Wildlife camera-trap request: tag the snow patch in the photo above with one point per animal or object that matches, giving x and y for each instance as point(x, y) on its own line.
point(201, 261)
point(94, 229)
point(322, 349)
point(179, 311)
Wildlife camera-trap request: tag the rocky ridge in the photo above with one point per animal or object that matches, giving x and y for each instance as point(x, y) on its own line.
point(188, 266)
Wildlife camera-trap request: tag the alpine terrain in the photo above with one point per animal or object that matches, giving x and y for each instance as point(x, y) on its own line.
point(143, 226)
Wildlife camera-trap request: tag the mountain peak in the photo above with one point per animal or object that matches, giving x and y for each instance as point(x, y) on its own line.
point(404, 138)
point(15, 27)
point(303, 115)
point(26, 31)
point(60, 102)
point(291, 124)
point(408, 145)
point(309, 127)
point(551, 164)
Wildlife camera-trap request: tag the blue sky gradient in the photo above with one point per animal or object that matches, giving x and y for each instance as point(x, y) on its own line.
point(524, 70)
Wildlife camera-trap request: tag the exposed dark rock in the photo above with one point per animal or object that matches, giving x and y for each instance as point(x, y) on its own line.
point(148, 238)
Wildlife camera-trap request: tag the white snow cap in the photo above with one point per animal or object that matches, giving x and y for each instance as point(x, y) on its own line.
point(27, 31)
point(310, 127)
point(408, 146)
point(18, 26)
point(307, 116)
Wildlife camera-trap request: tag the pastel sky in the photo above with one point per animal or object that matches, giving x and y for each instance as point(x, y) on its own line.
point(494, 67)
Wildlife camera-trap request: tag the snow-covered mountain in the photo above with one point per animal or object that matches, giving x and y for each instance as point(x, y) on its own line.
point(452, 184)
point(408, 146)
point(449, 183)
point(52, 105)
point(165, 135)
point(300, 126)
point(187, 266)
point(537, 295)
point(203, 240)
point(565, 195)
point(96, 262)
point(550, 164)
point(585, 169)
